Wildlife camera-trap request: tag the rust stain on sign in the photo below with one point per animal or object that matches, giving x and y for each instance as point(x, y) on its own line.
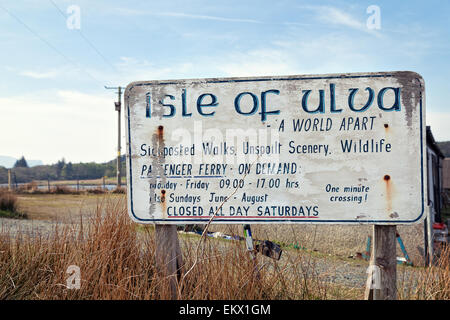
point(389, 193)
point(312, 148)
point(160, 132)
point(163, 200)
point(157, 173)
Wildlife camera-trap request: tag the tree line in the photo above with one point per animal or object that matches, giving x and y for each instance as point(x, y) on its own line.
point(60, 170)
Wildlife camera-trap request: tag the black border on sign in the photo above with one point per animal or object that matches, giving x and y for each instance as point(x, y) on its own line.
point(180, 221)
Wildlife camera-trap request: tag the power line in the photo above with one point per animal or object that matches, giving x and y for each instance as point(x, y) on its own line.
point(49, 44)
point(86, 39)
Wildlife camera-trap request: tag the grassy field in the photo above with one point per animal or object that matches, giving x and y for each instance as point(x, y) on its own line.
point(116, 262)
point(61, 207)
point(117, 258)
point(337, 240)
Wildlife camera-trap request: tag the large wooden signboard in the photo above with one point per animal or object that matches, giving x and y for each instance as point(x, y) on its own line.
point(336, 148)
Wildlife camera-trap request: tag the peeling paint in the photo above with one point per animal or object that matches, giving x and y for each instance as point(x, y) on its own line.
point(157, 162)
point(412, 91)
point(362, 166)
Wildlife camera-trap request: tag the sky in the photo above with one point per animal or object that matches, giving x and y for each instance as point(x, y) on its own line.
point(57, 56)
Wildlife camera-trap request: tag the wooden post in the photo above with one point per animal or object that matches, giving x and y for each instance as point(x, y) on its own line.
point(48, 183)
point(428, 242)
point(168, 256)
point(15, 181)
point(430, 236)
point(382, 279)
point(104, 187)
point(9, 180)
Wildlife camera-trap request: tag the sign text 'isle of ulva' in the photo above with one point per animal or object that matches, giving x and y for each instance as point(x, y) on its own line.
point(337, 148)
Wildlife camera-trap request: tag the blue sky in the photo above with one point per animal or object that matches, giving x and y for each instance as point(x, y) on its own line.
point(54, 105)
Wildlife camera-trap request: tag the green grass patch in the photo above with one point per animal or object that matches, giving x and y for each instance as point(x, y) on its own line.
point(13, 214)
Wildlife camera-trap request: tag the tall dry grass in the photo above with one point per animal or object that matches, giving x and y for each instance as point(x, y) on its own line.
point(8, 201)
point(433, 283)
point(9, 205)
point(118, 262)
point(338, 240)
point(34, 265)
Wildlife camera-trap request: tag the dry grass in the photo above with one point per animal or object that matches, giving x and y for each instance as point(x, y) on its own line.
point(337, 240)
point(60, 207)
point(433, 282)
point(8, 201)
point(119, 190)
point(116, 262)
point(9, 205)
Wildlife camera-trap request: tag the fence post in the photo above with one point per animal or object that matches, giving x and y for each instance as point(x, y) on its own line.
point(430, 236)
point(9, 180)
point(15, 181)
point(382, 278)
point(168, 256)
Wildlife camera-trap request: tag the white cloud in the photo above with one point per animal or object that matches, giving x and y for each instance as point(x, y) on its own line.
point(205, 17)
point(334, 16)
point(63, 71)
point(132, 69)
point(439, 122)
point(75, 125)
point(41, 75)
point(298, 55)
point(261, 62)
point(133, 12)
point(337, 16)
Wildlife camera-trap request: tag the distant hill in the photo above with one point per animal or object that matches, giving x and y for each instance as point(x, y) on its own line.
point(8, 162)
point(445, 148)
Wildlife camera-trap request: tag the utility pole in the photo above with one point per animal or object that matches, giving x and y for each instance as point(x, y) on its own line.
point(118, 107)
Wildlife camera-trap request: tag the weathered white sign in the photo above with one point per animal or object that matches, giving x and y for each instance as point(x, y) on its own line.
point(337, 148)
